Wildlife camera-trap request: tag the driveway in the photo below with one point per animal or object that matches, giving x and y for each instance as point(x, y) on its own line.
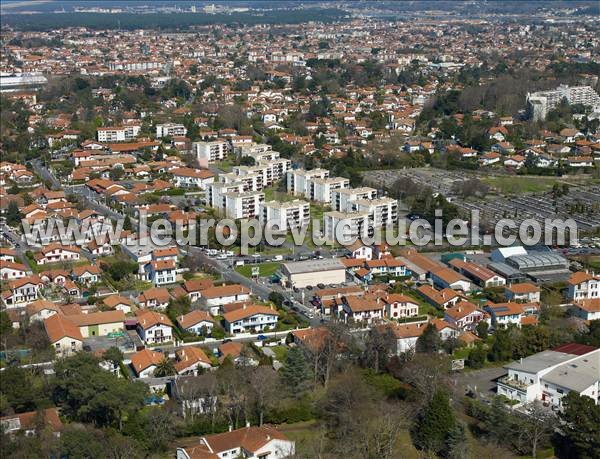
point(483, 381)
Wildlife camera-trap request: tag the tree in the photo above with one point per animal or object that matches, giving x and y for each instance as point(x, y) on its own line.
point(482, 329)
point(165, 368)
point(247, 161)
point(435, 423)
point(89, 393)
point(127, 226)
point(536, 426)
point(79, 442)
point(429, 341)
point(379, 346)
point(113, 354)
point(276, 298)
point(295, 371)
point(477, 357)
point(13, 214)
point(5, 323)
point(264, 385)
point(581, 417)
point(456, 443)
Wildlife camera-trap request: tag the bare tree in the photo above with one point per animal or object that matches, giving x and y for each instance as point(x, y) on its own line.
point(537, 425)
point(264, 385)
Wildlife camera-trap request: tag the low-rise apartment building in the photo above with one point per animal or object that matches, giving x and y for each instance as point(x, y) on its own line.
point(290, 214)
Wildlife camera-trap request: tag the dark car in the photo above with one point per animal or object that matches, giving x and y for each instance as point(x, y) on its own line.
point(321, 286)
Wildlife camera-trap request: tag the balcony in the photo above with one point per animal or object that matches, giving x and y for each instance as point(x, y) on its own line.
point(513, 383)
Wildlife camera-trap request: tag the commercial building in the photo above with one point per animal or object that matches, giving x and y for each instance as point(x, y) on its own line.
point(550, 375)
point(301, 274)
point(290, 214)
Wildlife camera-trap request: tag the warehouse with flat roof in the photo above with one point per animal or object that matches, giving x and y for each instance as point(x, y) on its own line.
point(306, 273)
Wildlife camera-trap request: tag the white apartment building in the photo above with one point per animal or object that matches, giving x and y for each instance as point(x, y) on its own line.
point(298, 180)
point(118, 133)
point(382, 212)
point(217, 191)
point(321, 190)
point(243, 205)
point(344, 199)
point(271, 171)
point(550, 375)
point(250, 181)
point(541, 102)
point(292, 214)
point(170, 130)
point(351, 225)
point(261, 152)
point(209, 152)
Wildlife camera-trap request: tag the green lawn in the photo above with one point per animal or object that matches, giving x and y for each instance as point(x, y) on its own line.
point(266, 269)
point(521, 184)
point(280, 352)
point(272, 193)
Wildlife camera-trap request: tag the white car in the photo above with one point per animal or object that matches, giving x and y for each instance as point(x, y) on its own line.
point(221, 256)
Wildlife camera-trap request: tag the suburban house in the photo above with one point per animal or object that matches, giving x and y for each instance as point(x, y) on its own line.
point(264, 442)
point(27, 423)
point(118, 303)
point(64, 335)
point(522, 292)
point(144, 362)
point(587, 309)
point(98, 323)
point(193, 288)
point(197, 321)
point(407, 335)
point(398, 306)
point(364, 309)
point(154, 298)
point(154, 327)
point(582, 286)
point(550, 375)
point(9, 270)
point(464, 315)
point(162, 272)
point(21, 292)
point(55, 252)
point(235, 351)
point(89, 274)
point(441, 299)
point(216, 297)
point(251, 317)
point(503, 314)
point(189, 359)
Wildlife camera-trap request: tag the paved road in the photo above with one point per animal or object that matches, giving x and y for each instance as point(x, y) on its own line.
point(481, 381)
point(43, 172)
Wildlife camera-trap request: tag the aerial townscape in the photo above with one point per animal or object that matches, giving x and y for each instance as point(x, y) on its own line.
point(312, 230)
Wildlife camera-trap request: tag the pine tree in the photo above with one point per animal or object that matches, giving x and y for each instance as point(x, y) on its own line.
point(430, 340)
point(434, 425)
point(296, 371)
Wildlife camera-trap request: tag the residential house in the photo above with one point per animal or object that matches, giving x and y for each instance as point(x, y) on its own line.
point(448, 278)
point(118, 303)
point(250, 318)
point(197, 322)
point(582, 286)
point(64, 335)
point(587, 309)
point(441, 299)
point(504, 314)
point(215, 297)
point(362, 309)
point(154, 327)
point(21, 292)
point(144, 362)
point(55, 252)
point(522, 292)
point(98, 323)
point(264, 442)
point(28, 423)
point(9, 270)
point(482, 276)
point(398, 306)
point(190, 359)
point(154, 298)
point(464, 315)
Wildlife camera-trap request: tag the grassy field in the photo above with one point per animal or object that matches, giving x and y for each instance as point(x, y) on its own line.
point(272, 193)
point(522, 184)
point(266, 269)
